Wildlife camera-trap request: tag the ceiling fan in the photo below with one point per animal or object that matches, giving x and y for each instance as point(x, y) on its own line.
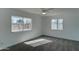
point(45, 10)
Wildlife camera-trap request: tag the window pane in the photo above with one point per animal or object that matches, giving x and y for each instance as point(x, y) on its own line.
point(54, 24)
point(54, 21)
point(27, 24)
point(60, 21)
point(16, 23)
point(60, 24)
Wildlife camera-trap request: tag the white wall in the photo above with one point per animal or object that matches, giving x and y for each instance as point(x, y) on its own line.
point(40, 26)
point(7, 38)
point(71, 25)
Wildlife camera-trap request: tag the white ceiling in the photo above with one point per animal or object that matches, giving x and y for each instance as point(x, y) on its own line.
point(54, 11)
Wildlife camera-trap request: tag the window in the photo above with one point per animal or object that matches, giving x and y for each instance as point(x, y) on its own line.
point(21, 24)
point(54, 24)
point(57, 24)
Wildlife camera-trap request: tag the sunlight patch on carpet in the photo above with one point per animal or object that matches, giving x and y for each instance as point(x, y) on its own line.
point(37, 42)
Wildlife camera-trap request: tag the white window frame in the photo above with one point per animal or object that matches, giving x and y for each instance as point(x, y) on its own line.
point(58, 24)
point(18, 27)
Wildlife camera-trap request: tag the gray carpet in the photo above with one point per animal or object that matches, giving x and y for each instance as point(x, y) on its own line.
point(50, 44)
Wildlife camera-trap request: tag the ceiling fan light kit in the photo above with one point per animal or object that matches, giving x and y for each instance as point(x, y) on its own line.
point(43, 13)
point(45, 10)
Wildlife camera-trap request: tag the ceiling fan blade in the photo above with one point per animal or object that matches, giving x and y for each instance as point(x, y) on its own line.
point(46, 9)
point(50, 8)
point(43, 9)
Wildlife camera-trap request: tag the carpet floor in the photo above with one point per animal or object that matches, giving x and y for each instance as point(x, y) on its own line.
point(56, 44)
